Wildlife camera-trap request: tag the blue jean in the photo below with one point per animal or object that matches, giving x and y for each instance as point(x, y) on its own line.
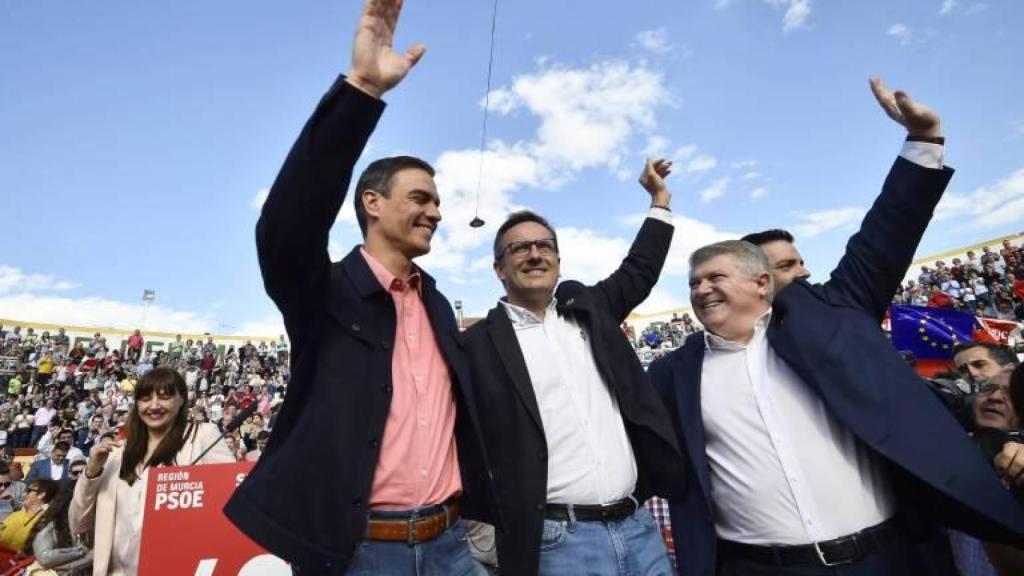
point(630, 547)
point(446, 555)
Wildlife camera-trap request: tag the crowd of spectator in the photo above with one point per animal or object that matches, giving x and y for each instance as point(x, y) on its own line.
point(76, 393)
point(990, 284)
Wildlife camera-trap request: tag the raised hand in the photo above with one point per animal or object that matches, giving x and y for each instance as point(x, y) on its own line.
point(376, 67)
point(918, 119)
point(1010, 464)
point(653, 180)
point(98, 456)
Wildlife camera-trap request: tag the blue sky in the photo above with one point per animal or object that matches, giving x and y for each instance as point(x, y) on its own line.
point(137, 140)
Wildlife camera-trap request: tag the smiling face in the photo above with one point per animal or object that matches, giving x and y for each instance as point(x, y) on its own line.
point(727, 299)
point(159, 409)
point(529, 272)
point(407, 217)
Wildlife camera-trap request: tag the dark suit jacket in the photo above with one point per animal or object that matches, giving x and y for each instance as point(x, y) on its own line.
point(306, 499)
point(829, 334)
point(41, 471)
point(512, 426)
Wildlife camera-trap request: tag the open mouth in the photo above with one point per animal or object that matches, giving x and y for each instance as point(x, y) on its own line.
point(712, 304)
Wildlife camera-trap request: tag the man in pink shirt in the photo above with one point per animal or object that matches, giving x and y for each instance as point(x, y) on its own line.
point(379, 420)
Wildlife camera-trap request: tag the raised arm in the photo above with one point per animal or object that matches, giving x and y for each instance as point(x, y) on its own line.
point(878, 255)
point(632, 282)
point(292, 232)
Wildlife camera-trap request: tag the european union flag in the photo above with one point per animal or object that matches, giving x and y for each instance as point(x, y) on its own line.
point(930, 333)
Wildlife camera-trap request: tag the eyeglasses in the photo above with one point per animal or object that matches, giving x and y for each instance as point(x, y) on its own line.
point(5, 484)
point(988, 388)
point(75, 472)
point(519, 249)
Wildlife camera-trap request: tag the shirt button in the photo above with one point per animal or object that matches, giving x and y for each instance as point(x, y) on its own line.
point(357, 503)
point(542, 456)
point(423, 471)
point(540, 506)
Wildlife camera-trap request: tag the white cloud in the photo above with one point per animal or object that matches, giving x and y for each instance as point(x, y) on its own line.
point(690, 234)
point(270, 326)
point(743, 164)
point(750, 176)
point(797, 12)
point(947, 7)
point(720, 4)
point(589, 256)
point(660, 300)
point(260, 197)
point(715, 191)
point(100, 312)
point(996, 205)
point(13, 280)
point(758, 192)
point(27, 297)
point(655, 41)
point(586, 117)
point(901, 32)
point(586, 114)
point(700, 164)
point(655, 147)
point(816, 223)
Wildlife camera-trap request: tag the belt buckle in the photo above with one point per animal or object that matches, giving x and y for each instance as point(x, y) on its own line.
point(825, 562)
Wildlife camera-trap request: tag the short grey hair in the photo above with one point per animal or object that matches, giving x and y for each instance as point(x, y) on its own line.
point(749, 258)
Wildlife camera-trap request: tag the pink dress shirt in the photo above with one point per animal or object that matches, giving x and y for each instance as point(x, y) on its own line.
point(418, 465)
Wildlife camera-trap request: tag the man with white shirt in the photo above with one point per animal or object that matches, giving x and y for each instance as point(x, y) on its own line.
point(575, 434)
point(812, 448)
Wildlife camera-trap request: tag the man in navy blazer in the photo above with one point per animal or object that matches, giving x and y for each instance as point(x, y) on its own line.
point(361, 474)
point(809, 441)
point(44, 469)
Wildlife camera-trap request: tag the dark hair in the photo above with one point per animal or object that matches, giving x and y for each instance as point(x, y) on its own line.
point(263, 435)
point(46, 488)
point(999, 354)
point(1017, 389)
point(766, 236)
point(377, 176)
point(515, 219)
point(62, 446)
point(157, 381)
point(5, 468)
point(56, 513)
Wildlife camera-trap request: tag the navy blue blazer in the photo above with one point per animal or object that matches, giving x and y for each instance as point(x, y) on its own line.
point(306, 499)
point(829, 335)
point(40, 470)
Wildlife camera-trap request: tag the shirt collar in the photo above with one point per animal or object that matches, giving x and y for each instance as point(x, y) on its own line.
point(716, 342)
point(521, 317)
point(389, 281)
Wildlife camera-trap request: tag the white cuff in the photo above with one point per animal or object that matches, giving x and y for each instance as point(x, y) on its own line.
point(661, 214)
point(924, 154)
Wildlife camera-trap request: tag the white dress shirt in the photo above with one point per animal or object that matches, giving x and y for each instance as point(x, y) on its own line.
point(783, 469)
point(590, 459)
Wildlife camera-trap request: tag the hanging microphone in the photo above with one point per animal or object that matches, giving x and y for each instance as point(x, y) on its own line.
point(231, 427)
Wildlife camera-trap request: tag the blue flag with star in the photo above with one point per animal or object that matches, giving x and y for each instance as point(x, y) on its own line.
point(930, 333)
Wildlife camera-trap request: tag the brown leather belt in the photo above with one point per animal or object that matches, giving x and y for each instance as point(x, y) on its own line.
point(414, 528)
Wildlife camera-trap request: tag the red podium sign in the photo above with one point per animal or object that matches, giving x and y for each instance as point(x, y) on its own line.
point(184, 531)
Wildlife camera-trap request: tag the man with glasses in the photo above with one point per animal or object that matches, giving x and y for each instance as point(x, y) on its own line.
point(12, 492)
point(575, 433)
